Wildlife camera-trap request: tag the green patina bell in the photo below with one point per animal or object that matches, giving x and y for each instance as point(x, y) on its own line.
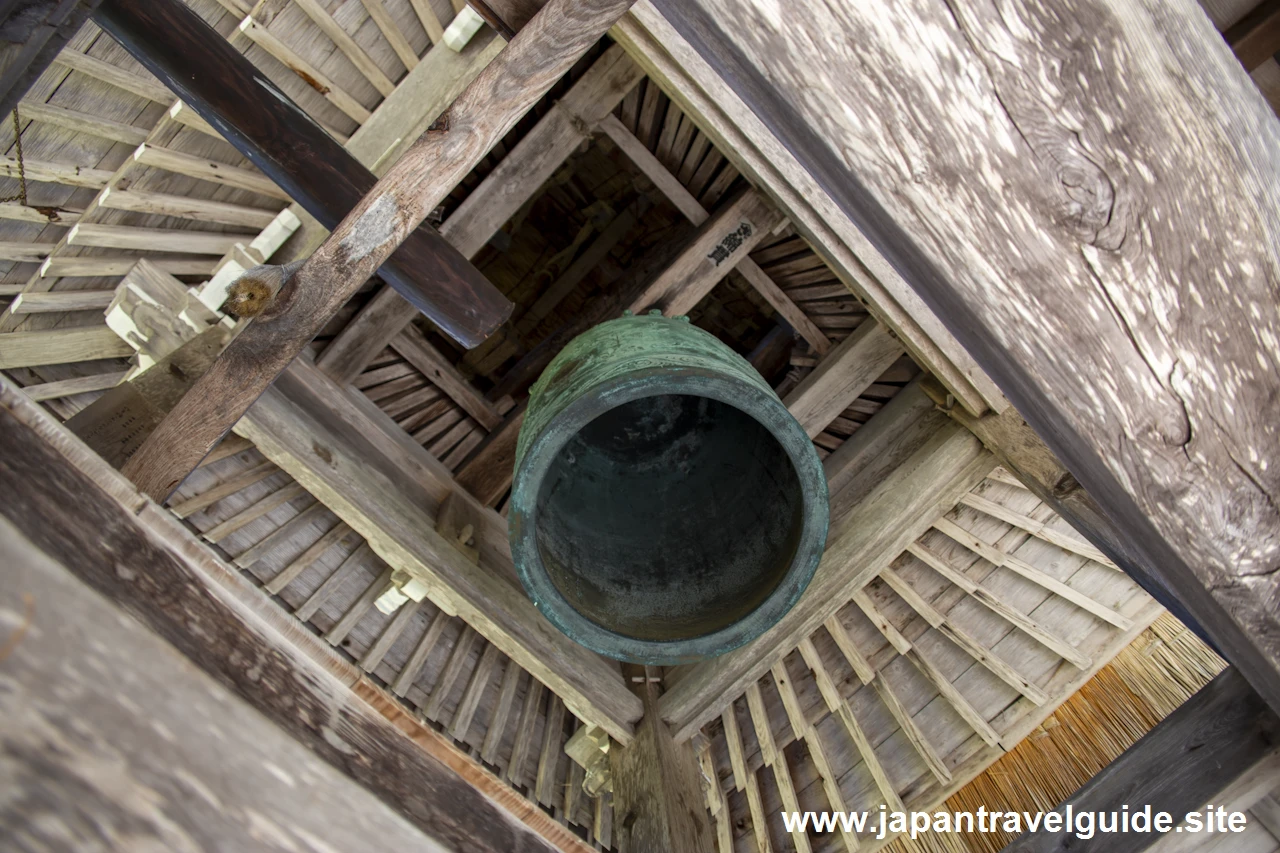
point(666, 507)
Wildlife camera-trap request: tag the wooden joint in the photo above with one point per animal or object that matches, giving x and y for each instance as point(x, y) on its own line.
point(458, 521)
point(589, 749)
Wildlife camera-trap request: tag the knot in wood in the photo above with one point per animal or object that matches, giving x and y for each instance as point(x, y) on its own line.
point(248, 297)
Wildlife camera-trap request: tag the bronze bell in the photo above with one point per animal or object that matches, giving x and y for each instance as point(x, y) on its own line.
point(665, 507)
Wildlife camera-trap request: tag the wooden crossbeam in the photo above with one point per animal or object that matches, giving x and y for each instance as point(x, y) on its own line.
point(513, 182)
point(202, 210)
point(385, 486)
point(845, 372)
point(539, 56)
point(60, 346)
point(151, 239)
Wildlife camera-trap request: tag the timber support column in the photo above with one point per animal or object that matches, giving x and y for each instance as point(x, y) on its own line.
point(657, 788)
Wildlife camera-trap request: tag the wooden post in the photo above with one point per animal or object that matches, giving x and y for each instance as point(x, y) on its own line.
point(539, 56)
point(202, 68)
point(657, 788)
point(1059, 227)
point(1187, 760)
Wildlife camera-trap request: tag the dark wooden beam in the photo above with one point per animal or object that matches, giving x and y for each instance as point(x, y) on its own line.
point(419, 181)
point(1255, 38)
point(32, 32)
point(74, 508)
point(1187, 760)
point(1075, 270)
point(266, 126)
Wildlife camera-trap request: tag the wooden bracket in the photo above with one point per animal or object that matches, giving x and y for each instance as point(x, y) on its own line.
point(457, 521)
point(589, 749)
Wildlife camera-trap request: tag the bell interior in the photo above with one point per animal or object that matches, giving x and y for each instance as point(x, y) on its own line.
point(669, 517)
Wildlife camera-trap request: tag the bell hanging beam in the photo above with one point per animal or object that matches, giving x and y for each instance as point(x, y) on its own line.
point(527, 68)
point(266, 126)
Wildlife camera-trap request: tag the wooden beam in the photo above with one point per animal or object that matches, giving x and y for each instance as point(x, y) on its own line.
point(879, 527)
point(210, 613)
point(729, 235)
point(487, 472)
point(95, 266)
point(542, 53)
point(205, 170)
point(657, 787)
point(82, 122)
point(264, 125)
point(1189, 758)
point(60, 346)
point(152, 239)
point(842, 375)
point(146, 87)
point(1156, 395)
point(389, 489)
point(505, 190)
point(202, 210)
point(62, 300)
point(55, 173)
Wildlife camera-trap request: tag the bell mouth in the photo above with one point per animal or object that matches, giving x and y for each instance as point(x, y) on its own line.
point(665, 519)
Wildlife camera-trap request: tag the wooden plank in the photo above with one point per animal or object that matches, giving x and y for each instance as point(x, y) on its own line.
point(378, 12)
point(203, 210)
point(842, 375)
point(453, 668)
point(254, 511)
point(482, 115)
point(82, 122)
point(429, 361)
point(387, 488)
point(460, 725)
point(70, 387)
point(347, 569)
point(501, 712)
point(417, 660)
point(207, 170)
point(152, 239)
point(730, 233)
point(524, 733)
point(505, 190)
point(314, 77)
point(776, 760)
point(733, 740)
point(95, 266)
point(1191, 756)
point(378, 649)
point(144, 87)
point(56, 173)
point(361, 606)
point(281, 535)
point(338, 533)
point(225, 489)
point(217, 618)
point(544, 784)
point(62, 300)
point(888, 518)
point(60, 346)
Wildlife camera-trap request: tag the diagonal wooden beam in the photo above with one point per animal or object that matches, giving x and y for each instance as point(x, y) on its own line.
point(541, 54)
point(504, 191)
point(354, 459)
point(265, 125)
point(729, 235)
point(842, 375)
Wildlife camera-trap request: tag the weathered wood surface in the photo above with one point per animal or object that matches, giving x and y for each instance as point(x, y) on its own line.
point(657, 787)
point(383, 484)
point(1191, 756)
point(80, 512)
point(267, 127)
point(842, 376)
point(194, 736)
point(1058, 230)
point(413, 187)
point(34, 33)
